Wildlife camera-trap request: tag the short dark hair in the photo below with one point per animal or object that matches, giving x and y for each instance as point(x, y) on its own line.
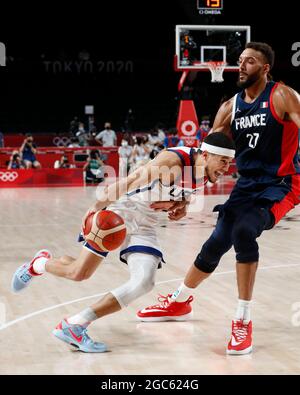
point(265, 49)
point(94, 154)
point(220, 139)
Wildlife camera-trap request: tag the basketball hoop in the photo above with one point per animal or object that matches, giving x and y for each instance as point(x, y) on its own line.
point(216, 69)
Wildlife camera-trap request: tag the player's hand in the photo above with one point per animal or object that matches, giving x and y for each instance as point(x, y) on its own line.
point(168, 205)
point(177, 213)
point(91, 210)
point(162, 206)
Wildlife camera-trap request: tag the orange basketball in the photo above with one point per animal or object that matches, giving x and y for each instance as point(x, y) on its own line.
point(104, 230)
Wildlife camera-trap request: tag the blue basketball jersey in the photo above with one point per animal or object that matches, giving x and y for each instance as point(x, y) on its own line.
point(265, 144)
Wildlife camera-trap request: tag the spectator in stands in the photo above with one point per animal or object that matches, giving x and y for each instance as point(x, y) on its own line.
point(82, 135)
point(15, 161)
point(108, 137)
point(62, 163)
point(153, 138)
point(203, 129)
point(125, 152)
point(94, 168)
point(140, 153)
point(74, 143)
point(129, 121)
point(1, 140)
point(172, 139)
point(159, 129)
point(28, 153)
point(74, 126)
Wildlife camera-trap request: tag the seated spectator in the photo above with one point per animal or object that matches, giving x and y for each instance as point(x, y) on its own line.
point(94, 168)
point(62, 163)
point(28, 152)
point(108, 137)
point(15, 161)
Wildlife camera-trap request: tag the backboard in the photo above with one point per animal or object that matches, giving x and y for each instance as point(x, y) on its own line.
point(198, 44)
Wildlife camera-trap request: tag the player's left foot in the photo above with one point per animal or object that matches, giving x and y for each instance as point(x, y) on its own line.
point(76, 336)
point(24, 274)
point(167, 310)
point(241, 338)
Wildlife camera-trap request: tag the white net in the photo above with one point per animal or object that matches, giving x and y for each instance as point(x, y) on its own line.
point(216, 69)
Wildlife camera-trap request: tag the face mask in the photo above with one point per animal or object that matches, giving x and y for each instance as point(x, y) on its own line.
point(124, 143)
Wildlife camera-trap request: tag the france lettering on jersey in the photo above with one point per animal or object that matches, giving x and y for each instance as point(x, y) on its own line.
point(265, 144)
point(183, 187)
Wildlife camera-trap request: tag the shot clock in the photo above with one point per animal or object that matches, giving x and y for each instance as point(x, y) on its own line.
point(210, 6)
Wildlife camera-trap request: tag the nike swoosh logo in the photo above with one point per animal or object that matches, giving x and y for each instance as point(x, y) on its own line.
point(77, 338)
point(151, 310)
point(234, 342)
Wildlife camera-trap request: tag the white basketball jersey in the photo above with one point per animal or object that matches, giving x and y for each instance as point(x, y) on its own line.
point(181, 188)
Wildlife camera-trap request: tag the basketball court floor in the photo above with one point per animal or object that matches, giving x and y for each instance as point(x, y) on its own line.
point(37, 218)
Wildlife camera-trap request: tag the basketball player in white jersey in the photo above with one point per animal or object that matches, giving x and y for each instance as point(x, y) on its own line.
point(172, 177)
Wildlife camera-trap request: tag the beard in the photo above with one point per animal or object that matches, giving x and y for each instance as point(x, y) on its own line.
point(249, 81)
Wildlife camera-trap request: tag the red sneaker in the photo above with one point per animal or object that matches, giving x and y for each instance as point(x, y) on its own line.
point(241, 338)
point(167, 310)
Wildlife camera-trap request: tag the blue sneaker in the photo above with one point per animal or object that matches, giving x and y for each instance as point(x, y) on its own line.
point(76, 336)
point(24, 274)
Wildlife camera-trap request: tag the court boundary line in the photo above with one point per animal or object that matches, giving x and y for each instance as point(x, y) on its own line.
point(39, 312)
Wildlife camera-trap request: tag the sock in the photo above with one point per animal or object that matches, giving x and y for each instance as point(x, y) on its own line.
point(84, 318)
point(182, 293)
point(243, 310)
point(39, 265)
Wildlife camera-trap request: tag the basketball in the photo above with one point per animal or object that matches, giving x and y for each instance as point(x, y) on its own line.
point(104, 230)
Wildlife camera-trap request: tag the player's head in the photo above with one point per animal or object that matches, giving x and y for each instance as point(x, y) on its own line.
point(218, 150)
point(255, 63)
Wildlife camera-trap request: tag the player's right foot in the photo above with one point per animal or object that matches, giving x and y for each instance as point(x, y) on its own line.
point(167, 310)
point(76, 336)
point(24, 274)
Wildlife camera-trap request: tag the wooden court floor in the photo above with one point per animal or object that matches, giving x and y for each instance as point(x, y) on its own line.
point(50, 218)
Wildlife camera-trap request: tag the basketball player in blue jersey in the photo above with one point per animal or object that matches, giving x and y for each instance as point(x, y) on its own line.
point(172, 177)
point(263, 120)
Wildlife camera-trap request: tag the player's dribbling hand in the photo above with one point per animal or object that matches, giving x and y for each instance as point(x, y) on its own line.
point(177, 214)
point(91, 210)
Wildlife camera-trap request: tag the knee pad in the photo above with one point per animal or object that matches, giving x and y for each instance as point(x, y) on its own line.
point(211, 253)
point(245, 232)
point(142, 268)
